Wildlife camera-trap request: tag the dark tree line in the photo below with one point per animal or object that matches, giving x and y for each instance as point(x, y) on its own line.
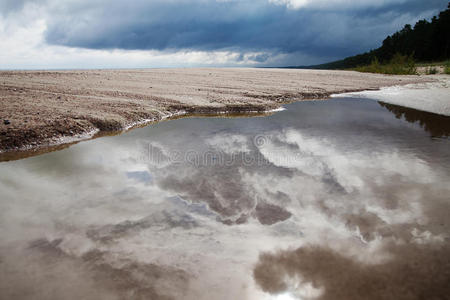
point(426, 41)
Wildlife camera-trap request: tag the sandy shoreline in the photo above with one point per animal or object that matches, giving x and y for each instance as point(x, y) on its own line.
point(50, 108)
point(433, 97)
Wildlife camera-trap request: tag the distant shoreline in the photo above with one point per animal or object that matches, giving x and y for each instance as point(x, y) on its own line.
point(43, 109)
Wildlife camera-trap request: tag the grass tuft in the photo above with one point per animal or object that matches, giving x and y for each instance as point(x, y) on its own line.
point(398, 65)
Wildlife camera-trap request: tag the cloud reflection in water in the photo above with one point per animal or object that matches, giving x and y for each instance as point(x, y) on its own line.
point(291, 205)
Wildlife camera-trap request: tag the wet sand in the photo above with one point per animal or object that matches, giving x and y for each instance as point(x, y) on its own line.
point(47, 108)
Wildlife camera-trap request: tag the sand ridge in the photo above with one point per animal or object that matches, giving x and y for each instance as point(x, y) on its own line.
point(43, 108)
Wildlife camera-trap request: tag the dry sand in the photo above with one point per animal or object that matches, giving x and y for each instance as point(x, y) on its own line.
point(44, 108)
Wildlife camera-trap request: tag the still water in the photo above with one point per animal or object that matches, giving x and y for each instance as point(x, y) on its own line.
point(339, 199)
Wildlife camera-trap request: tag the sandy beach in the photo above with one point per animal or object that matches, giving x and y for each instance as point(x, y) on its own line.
point(431, 97)
point(45, 108)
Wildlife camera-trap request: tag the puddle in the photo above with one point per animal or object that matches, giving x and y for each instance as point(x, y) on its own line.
point(326, 200)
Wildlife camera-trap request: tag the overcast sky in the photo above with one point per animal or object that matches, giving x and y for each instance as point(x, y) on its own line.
point(184, 33)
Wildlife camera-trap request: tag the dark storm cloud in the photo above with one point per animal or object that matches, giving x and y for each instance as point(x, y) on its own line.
point(414, 271)
point(243, 26)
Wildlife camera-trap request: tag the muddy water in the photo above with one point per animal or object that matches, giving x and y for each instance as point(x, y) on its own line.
point(341, 199)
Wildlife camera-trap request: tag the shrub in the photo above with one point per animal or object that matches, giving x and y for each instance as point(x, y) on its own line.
point(447, 67)
point(431, 71)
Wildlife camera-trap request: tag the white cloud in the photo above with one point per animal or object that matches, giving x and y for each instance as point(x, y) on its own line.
point(229, 143)
point(334, 4)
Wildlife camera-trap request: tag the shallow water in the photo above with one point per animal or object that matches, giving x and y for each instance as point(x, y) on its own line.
point(340, 199)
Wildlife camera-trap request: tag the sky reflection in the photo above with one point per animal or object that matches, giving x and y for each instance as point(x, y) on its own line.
point(215, 208)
